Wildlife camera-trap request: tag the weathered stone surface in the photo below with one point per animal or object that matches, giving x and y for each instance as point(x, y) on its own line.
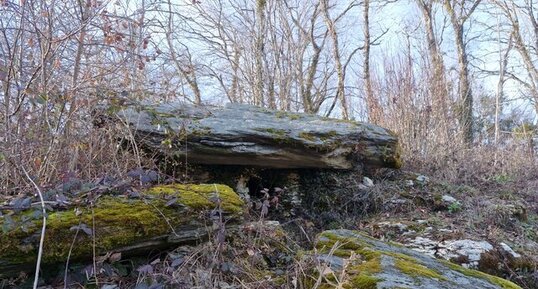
point(251, 136)
point(370, 263)
point(161, 217)
point(467, 250)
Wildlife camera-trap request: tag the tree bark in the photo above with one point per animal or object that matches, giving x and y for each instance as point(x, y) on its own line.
point(259, 52)
point(372, 104)
point(464, 91)
point(340, 89)
point(503, 62)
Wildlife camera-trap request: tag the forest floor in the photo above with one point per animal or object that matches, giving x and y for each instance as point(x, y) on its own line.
point(414, 210)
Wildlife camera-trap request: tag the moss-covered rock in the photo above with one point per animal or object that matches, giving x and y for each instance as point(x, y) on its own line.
point(359, 261)
point(251, 136)
point(164, 215)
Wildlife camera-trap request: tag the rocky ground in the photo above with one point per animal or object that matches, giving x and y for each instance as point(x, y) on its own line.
point(491, 228)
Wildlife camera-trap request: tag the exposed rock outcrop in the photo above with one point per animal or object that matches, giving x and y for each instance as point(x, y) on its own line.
point(252, 136)
point(355, 260)
point(160, 217)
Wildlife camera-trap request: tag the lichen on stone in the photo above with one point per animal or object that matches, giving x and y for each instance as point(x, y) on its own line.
point(365, 262)
point(370, 263)
point(503, 283)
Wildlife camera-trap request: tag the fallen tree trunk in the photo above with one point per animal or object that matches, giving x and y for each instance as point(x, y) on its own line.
point(252, 136)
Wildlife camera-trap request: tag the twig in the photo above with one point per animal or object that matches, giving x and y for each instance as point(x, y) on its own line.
point(69, 255)
point(35, 204)
point(165, 219)
point(43, 227)
point(93, 247)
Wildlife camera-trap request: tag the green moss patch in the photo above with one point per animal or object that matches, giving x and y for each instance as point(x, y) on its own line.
point(307, 136)
point(204, 196)
point(416, 270)
point(363, 281)
point(503, 283)
point(366, 260)
point(363, 269)
point(115, 222)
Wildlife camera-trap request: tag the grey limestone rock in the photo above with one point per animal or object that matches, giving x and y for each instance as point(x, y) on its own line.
point(251, 136)
point(371, 263)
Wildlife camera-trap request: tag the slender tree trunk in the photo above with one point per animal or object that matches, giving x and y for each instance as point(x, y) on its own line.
point(465, 92)
point(235, 96)
point(371, 103)
point(84, 10)
point(437, 87)
point(188, 73)
point(312, 69)
point(259, 51)
point(435, 56)
point(525, 50)
point(340, 89)
point(503, 62)
point(527, 60)
point(307, 88)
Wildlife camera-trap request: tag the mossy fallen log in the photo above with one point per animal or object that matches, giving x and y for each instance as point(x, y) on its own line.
point(162, 216)
point(251, 136)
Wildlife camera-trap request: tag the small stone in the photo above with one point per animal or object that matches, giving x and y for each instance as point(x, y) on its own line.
point(422, 179)
point(449, 199)
point(367, 182)
point(509, 250)
point(409, 183)
point(423, 242)
point(469, 248)
point(362, 187)
point(399, 201)
point(452, 249)
point(400, 226)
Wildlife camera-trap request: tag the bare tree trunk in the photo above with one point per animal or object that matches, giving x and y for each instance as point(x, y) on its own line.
point(524, 49)
point(465, 93)
point(84, 10)
point(259, 52)
point(309, 107)
point(340, 89)
point(371, 103)
point(433, 48)
point(235, 78)
point(503, 62)
point(310, 103)
point(187, 71)
point(437, 88)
